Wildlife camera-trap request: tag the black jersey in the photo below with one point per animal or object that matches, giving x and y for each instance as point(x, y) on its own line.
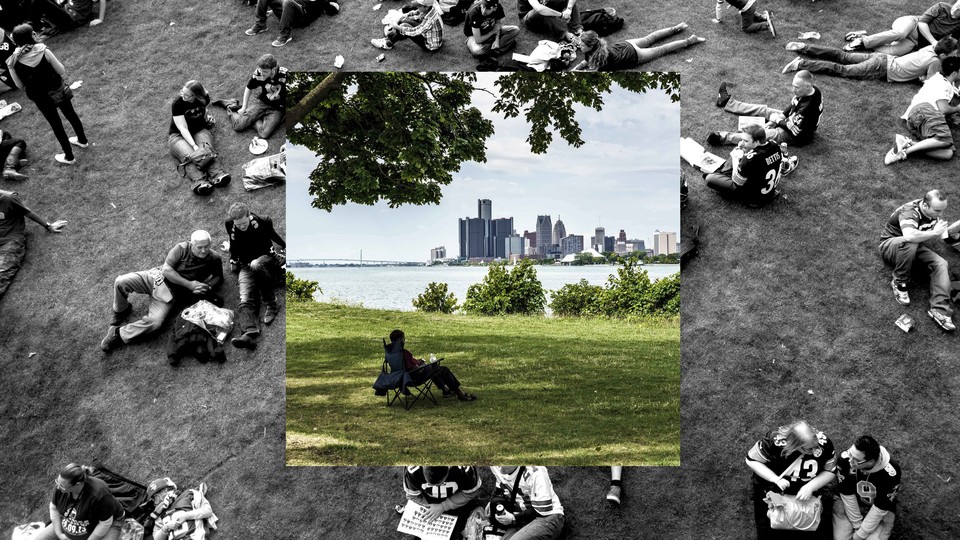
point(878, 488)
point(463, 479)
point(759, 172)
point(769, 451)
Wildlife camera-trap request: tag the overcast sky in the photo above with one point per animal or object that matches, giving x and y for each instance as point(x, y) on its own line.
point(626, 176)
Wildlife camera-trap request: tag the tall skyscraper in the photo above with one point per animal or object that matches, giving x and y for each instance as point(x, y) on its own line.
point(571, 244)
point(484, 209)
point(609, 243)
point(531, 237)
point(597, 241)
point(559, 231)
point(500, 230)
point(664, 243)
point(472, 233)
point(544, 234)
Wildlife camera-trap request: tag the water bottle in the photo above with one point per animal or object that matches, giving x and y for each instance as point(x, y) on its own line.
point(719, 10)
point(433, 358)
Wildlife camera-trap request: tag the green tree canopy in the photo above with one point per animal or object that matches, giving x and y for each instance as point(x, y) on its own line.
point(399, 137)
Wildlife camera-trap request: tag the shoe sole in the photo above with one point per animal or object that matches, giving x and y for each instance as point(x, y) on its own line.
point(613, 500)
point(897, 297)
point(940, 324)
point(254, 32)
point(281, 43)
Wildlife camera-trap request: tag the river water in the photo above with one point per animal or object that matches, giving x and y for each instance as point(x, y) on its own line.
point(395, 287)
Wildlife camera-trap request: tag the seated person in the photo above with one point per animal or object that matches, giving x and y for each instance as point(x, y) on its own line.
point(795, 125)
point(441, 375)
point(443, 490)
point(252, 256)
point(265, 110)
point(754, 169)
point(750, 20)
point(70, 15)
point(921, 64)
point(191, 272)
point(290, 13)
point(7, 46)
point(420, 24)
point(869, 481)
point(926, 117)
point(189, 132)
point(899, 40)
point(13, 156)
point(179, 513)
point(535, 512)
point(82, 508)
point(939, 21)
point(629, 54)
point(13, 235)
point(486, 34)
point(558, 19)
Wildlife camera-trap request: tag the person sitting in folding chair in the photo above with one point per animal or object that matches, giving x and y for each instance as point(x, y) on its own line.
point(420, 371)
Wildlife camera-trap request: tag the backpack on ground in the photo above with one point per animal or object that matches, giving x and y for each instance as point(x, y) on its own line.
point(602, 21)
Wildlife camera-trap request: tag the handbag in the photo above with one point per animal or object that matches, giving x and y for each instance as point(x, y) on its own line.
point(509, 504)
point(60, 95)
point(788, 513)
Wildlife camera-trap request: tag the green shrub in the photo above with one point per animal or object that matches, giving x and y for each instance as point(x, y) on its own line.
point(575, 299)
point(436, 298)
point(502, 292)
point(301, 290)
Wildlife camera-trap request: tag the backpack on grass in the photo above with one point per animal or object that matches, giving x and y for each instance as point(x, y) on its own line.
point(602, 21)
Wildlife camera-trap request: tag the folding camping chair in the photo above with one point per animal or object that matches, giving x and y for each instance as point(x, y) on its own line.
point(394, 377)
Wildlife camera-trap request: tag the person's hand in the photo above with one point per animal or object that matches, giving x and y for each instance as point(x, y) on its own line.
point(783, 484)
point(777, 117)
point(433, 512)
point(195, 146)
point(97, 21)
point(241, 110)
point(566, 14)
point(62, 536)
point(57, 226)
point(210, 118)
point(506, 518)
point(954, 228)
point(805, 493)
point(940, 226)
point(199, 287)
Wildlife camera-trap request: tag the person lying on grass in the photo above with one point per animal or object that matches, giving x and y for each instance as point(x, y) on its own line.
point(754, 169)
point(13, 237)
point(629, 54)
point(898, 41)
point(921, 64)
point(795, 125)
point(445, 380)
point(750, 20)
point(177, 513)
point(261, 109)
point(926, 117)
point(13, 153)
point(420, 24)
point(64, 16)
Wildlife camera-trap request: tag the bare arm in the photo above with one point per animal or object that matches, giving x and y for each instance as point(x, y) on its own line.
point(818, 481)
point(924, 30)
point(181, 123)
point(104, 526)
point(544, 10)
point(946, 108)
point(764, 472)
point(57, 66)
point(103, 11)
point(56, 226)
point(917, 236)
point(55, 521)
point(174, 277)
point(13, 72)
point(246, 99)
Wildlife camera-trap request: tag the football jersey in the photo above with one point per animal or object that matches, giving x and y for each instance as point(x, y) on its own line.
point(760, 173)
point(803, 116)
point(462, 479)
point(534, 491)
point(908, 216)
point(769, 451)
point(871, 488)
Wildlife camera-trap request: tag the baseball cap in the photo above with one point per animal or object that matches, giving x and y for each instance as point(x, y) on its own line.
point(159, 485)
point(490, 3)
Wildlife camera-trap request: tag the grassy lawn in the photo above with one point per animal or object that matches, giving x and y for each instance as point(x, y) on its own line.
point(795, 297)
point(552, 391)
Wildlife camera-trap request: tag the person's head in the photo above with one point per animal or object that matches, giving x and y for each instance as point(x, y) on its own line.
point(240, 215)
point(594, 49)
point(945, 47)
point(200, 243)
point(158, 489)
point(950, 68)
point(802, 83)
point(266, 67)
point(799, 437)
point(71, 479)
point(194, 91)
point(863, 453)
point(933, 204)
point(435, 475)
point(23, 35)
point(489, 6)
point(423, 5)
point(754, 136)
point(397, 335)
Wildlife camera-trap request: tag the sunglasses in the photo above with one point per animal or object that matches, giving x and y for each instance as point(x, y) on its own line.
point(60, 488)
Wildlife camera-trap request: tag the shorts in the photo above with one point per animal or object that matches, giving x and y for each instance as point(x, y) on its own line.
point(927, 122)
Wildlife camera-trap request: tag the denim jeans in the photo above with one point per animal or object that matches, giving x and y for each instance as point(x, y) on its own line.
point(288, 12)
point(180, 149)
point(852, 65)
point(508, 36)
point(902, 254)
point(262, 117)
point(739, 108)
point(541, 528)
point(843, 529)
point(898, 41)
point(256, 281)
point(555, 27)
point(11, 257)
point(157, 312)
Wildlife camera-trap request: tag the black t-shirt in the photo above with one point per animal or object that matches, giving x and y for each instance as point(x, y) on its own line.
point(80, 516)
point(476, 19)
point(760, 169)
point(621, 56)
point(195, 112)
point(273, 90)
point(256, 241)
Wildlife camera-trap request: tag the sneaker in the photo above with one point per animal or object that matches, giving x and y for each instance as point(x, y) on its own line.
point(332, 9)
point(221, 180)
point(856, 34)
point(281, 41)
point(723, 97)
point(270, 314)
point(381, 43)
point(943, 321)
point(614, 495)
point(768, 15)
point(794, 65)
point(902, 142)
point(256, 29)
point(893, 156)
point(246, 341)
point(120, 316)
point(62, 158)
point(900, 292)
point(714, 139)
point(203, 188)
point(795, 46)
point(399, 508)
point(76, 142)
point(112, 340)
point(789, 165)
point(855, 46)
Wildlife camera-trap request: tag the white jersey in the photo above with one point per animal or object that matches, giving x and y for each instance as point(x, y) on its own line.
point(535, 489)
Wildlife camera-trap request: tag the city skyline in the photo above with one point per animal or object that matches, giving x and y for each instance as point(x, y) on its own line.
point(626, 176)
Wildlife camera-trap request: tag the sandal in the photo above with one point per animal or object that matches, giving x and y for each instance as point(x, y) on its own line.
point(468, 397)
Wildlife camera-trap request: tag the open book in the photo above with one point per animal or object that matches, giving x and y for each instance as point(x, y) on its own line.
point(411, 522)
point(694, 154)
